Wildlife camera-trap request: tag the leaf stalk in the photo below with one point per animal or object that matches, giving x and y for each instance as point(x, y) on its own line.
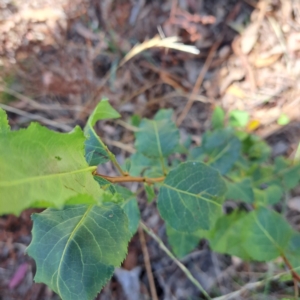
point(176, 261)
point(128, 178)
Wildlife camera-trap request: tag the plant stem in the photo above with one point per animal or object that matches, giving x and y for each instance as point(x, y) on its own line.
point(147, 264)
point(176, 261)
point(294, 274)
point(128, 178)
point(113, 159)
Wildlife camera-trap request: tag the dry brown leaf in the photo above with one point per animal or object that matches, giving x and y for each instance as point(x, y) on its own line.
point(86, 32)
point(236, 91)
point(42, 15)
point(235, 74)
point(293, 42)
point(294, 203)
point(249, 38)
point(262, 62)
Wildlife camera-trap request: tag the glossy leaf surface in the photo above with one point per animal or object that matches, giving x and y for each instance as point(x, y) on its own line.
point(182, 242)
point(157, 138)
point(76, 249)
point(288, 171)
point(41, 168)
point(217, 118)
point(141, 165)
point(292, 252)
point(128, 202)
point(266, 234)
point(269, 196)
point(95, 151)
point(130, 207)
point(191, 197)
point(227, 235)
point(222, 149)
point(240, 191)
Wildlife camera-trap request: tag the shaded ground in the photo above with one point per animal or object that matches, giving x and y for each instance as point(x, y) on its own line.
point(59, 59)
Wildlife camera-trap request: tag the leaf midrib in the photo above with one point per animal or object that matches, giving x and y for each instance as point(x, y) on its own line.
point(161, 157)
point(67, 244)
point(191, 194)
point(44, 177)
point(266, 233)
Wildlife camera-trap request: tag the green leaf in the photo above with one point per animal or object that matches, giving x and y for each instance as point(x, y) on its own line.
point(135, 120)
point(127, 165)
point(190, 198)
point(261, 174)
point(255, 148)
point(281, 164)
point(240, 191)
point(164, 114)
point(4, 127)
point(288, 171)
point(131, 209)
point(128, 201)
point(40, 167)
point(150, 193)
point(283, 120)
point(261, 235)
point(238, 118)
point(292, 252)
point(269, 196)
point(266, 234)
point(181, 242)
point(105, 184)
point(76, 249)
point(217, 119)
point(197, 153)
point(223, 149)
point(95, 149)
point(140, 164)
point(228, 234)
point(157, 138)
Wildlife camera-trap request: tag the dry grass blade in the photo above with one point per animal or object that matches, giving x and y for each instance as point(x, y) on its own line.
point(175, 260)
point(127, 148)
point(156, 42)
point(36, 104)
point(36, 118)
point(240, 294)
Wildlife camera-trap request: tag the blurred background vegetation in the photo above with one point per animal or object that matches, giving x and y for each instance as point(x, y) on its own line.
point(59, 58)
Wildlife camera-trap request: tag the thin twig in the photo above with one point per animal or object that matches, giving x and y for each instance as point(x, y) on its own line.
point(113, 159)
point(36, 117)
point(296, 289)
point(128, 178)
point(147, 264)
point(245, 62)
point(200, 78)
point(280, 36)
point(294, 274)
point(36, 104)
point(126, 125)
point(126, 147)
point(251, 286)
point(206, 67)
point(176, 261)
